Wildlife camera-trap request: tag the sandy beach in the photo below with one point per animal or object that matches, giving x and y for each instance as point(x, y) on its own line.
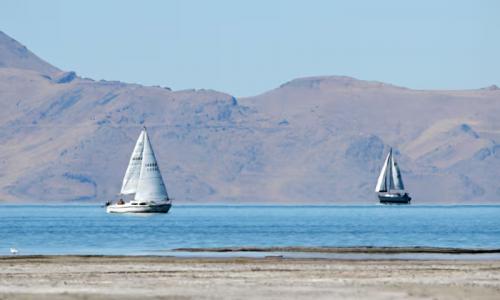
point(107, 277)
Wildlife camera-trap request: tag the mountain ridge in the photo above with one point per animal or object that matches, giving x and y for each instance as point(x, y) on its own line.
point(15, 55)
point(318, 139)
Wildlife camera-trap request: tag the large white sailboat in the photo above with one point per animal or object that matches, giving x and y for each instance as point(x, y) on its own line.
point(142, 178)
point(390, 187)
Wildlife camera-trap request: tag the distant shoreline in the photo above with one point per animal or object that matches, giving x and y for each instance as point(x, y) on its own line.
point(293, 253)
point(360, 250)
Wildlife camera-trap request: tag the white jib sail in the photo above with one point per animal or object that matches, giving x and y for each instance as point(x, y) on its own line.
point(131, 178)
point(151, 186)
point(381, 182)
point(396, 176)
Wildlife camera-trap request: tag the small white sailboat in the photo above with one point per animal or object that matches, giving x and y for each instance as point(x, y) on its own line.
point(390, 187)
point(142, 178)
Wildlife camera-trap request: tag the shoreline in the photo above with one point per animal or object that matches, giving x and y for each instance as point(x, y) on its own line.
point(49, 259)
point(360, 249)
point(292, 252)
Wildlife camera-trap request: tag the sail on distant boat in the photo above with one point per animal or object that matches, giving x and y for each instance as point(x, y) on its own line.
point(143, 179)
point(390, 186)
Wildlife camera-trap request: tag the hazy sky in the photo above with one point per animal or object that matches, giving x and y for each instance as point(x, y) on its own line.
point(247, 47)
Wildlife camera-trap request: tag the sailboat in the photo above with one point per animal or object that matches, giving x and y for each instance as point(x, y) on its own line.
point(143, 179)
point(390, 187)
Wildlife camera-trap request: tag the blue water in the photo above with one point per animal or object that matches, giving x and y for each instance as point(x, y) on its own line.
point(35, 229)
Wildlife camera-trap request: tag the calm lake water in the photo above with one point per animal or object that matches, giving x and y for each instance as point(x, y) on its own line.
point(36, 229)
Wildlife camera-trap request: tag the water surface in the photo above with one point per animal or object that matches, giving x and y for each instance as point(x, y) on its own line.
point(57, 229)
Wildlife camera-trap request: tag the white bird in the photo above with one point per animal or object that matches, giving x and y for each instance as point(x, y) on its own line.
point(13, 251)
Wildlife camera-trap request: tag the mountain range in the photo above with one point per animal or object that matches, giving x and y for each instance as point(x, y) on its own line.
point(312, 140)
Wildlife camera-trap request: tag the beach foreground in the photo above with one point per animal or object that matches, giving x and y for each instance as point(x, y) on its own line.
point(106, 277)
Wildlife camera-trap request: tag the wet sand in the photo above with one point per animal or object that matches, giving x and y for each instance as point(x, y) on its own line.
point(107, 277)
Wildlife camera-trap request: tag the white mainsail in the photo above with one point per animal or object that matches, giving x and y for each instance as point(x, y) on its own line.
point(150, 186)
point(396, 176)
point(390, 176)
point(131, 178)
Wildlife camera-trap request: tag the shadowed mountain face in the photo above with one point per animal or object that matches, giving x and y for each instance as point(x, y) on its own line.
point(312, 140)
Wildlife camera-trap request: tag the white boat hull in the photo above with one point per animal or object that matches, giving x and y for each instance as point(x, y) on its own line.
point(139, 207)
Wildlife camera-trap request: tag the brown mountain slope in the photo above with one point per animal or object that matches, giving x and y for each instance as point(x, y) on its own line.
point(312, 140)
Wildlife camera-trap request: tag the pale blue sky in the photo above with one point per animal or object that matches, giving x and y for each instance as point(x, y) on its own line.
point(247, 47)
